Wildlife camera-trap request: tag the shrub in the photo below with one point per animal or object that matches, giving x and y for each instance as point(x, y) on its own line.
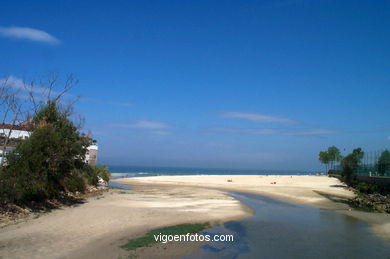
point(90, 175)
point(337, 172)
point(367, 188)
point(102, 172)
point(75, 183)
point(45, 164)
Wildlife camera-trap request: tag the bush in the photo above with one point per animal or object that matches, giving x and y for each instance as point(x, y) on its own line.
point(102, 172)
point(75, 183)
point(92, 174)
point(367, 188)
point(336, 172)
point(48, 162)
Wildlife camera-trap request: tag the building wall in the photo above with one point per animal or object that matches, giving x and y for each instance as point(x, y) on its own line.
point(91, 155)
point(15, 133)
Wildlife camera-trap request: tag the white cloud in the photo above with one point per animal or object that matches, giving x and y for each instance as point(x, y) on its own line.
point(22, 88)
point(123, 104)
point(313, 132)
point(264, 131)
point(273, 131)
point(145, 124)
point(97, 101)
point(18, 84)
point(26, 33)
point(148, 126)
point(258, 117)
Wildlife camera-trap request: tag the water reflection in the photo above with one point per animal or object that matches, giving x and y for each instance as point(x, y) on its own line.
point(286, 230)
point(118, 185)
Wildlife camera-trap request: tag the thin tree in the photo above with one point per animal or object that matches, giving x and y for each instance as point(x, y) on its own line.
point(20, 100)
point(383, 164)
point(323, 156)
point(334, 155)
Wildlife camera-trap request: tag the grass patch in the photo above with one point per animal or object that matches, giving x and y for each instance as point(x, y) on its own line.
point(148, 238)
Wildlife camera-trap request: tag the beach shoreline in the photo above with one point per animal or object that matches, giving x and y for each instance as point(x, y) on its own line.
point(303, 189)
point(97, 228)
point(292, 188)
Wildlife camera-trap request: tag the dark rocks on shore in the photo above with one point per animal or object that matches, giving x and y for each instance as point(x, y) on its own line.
point(372, 202)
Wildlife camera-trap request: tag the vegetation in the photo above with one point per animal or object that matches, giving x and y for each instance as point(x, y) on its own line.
point(50, 161)
point(149, 239)
point(351, 163)
point(370, 196)
point(383, 165)
point(330, 156)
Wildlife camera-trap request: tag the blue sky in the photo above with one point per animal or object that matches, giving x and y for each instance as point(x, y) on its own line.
point(223, 84)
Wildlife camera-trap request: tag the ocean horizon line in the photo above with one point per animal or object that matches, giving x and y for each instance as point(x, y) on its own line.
point(159, 170)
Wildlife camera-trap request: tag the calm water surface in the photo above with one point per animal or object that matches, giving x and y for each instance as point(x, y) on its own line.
point(136, 171)
point(286, 230)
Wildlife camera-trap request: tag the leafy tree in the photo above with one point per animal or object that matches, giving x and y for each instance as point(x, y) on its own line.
point(351, 163)
point(334, 155)
point(323, 156)
point(384, 163)
point(41, 166)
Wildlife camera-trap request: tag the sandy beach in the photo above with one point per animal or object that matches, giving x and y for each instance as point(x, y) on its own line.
point(309, 190)
point(98, 227)
point(294, 188)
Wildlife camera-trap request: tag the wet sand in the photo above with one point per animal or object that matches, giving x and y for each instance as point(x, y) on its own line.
point(97, 228)
point(299, 189)
point(309, 190)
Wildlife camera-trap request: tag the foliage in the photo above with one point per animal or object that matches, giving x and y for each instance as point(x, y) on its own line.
point(102, 172)
point(334, 154)
point(367, 188)
point(324, 157)
point(75, 183)
point(92, 174)
point(337, 172)
point(351, 163)
point(49, 161)
point(384, 163)
point(149, 239)
point(330, 156)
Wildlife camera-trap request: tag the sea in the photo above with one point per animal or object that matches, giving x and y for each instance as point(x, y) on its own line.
point(140, 171)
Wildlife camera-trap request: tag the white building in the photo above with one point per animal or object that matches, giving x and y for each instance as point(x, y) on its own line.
point(91, 155)
point(14, 131)
point(19, 132)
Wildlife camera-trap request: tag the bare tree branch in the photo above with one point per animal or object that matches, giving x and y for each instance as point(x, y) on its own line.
point(16, 108)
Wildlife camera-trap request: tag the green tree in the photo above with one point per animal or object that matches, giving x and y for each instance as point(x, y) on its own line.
point(351, 163)
point(334, 155)
point(384, 163)
point(324, 158)
point(41, 166)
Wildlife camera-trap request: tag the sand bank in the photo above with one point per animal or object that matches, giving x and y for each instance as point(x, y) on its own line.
point(300, 189)
point(310, 190)
point(96, 229)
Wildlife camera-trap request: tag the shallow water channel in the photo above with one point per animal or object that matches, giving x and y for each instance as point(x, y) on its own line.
point(287, 230)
